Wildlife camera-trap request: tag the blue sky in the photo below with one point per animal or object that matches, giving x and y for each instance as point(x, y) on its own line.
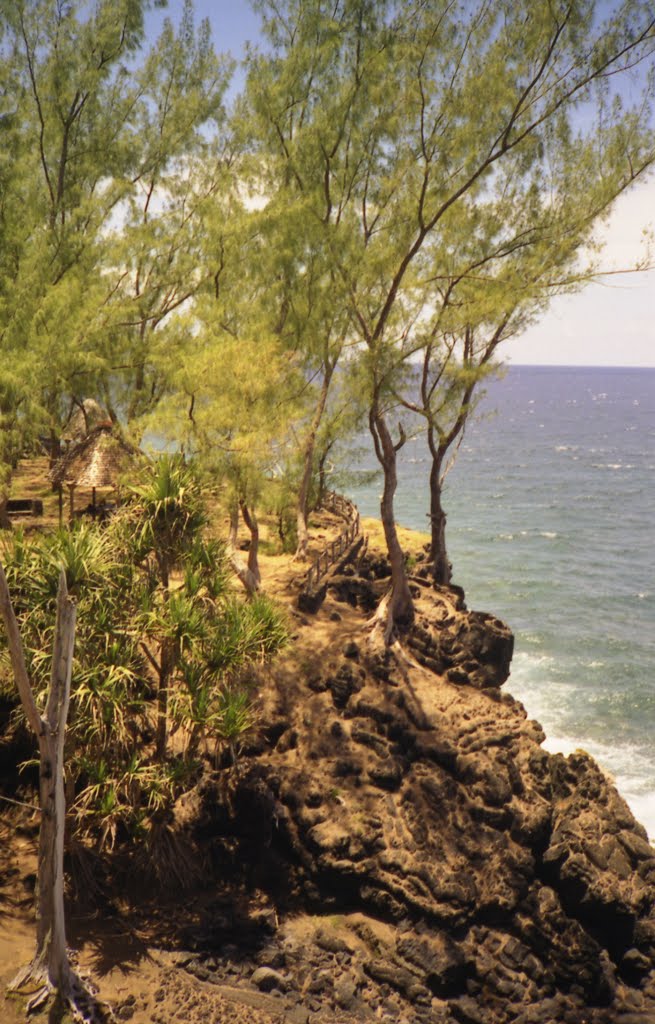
point(233, 23)
point(610, 323)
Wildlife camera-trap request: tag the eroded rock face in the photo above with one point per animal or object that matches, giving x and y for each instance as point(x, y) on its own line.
point(514, 885)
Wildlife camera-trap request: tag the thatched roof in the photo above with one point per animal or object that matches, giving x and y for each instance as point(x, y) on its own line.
point(84, 419)
point(97, 460)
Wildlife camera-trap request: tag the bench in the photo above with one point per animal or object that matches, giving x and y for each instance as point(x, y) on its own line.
point(25, 507)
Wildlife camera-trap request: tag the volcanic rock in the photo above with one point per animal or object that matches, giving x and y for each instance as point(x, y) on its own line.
point(473, 877)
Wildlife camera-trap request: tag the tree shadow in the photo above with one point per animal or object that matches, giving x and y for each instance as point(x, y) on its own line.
point(109, 945)
point(192, 923)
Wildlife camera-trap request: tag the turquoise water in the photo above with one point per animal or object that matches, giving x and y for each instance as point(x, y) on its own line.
point(551, 526)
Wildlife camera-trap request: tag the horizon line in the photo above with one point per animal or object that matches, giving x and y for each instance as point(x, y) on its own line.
point(577, 366)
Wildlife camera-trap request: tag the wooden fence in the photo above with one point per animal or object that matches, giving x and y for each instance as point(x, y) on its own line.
point(337, 548)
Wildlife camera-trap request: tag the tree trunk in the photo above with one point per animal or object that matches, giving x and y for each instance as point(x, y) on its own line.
point(400, 607)
point(233, 534)
point(323, 470)
point(5, 521)
point(244, 574)
point(249, 573)
point(54, 451)
point(50, 968)
point(50, 932)
point(165, 670)
point(308, 465)
point(254, 575)
point(441, 567)
point(166, 665)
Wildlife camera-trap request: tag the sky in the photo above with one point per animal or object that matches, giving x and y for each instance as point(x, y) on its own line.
point(609, 323)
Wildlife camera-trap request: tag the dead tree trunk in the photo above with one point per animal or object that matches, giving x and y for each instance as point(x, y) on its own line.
point(50, 969)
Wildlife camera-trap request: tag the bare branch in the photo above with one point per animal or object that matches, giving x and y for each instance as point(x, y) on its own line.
point(18, 658)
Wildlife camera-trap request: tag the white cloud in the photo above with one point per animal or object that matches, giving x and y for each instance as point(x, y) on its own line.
point(610, 322)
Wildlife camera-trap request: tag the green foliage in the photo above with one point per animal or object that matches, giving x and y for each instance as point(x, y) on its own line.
point(98, 209)
point(235, 715)
point(127, 617)
point(247, 633)
point(444, 167)
point(279, 502)
point(167, 511)
point(402, 185)
point(85, 555)
point(269, 629)
point(205, 276)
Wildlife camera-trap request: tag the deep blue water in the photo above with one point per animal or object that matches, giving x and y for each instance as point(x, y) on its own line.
point(551, 526)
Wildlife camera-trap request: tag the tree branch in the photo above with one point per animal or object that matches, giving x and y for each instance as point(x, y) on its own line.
point(18, 658)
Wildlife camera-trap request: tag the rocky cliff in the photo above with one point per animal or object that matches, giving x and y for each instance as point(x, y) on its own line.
point(419, 856)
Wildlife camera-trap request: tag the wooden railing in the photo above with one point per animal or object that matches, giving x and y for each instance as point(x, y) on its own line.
point(337, 548)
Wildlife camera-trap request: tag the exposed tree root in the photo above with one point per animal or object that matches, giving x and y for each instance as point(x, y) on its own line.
point(382, 626)
point(74, 993)
point(246, 576)
point(301, 554)
point(403, 660)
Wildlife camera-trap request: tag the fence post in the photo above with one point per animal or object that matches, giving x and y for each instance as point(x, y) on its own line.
point(334, 549)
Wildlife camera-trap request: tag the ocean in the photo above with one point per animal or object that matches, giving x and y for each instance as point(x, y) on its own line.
point(551, 527)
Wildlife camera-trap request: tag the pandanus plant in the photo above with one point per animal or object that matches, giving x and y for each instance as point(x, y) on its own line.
point(166, 516)
point(153, 598)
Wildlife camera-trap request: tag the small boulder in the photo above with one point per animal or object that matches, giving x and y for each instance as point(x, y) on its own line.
point(266, 979)
point(345, 991)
